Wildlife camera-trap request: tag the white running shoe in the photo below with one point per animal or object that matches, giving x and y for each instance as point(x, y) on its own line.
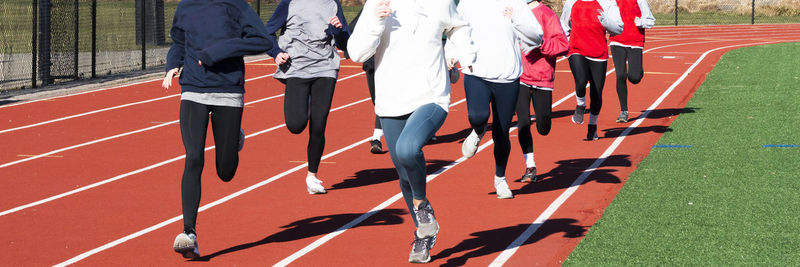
point(470, 145)
point(241, 139)
point(314, 185)
point(501, 186)
point(186, 245)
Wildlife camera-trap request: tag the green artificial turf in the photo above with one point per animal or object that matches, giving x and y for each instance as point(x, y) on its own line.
point(726, 200)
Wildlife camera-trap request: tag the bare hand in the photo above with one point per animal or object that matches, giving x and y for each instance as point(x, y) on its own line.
point(167, 83)
point(508, 12)
point(335, 22)
point(383, 10)
point(451, 63)
point(281, 58)
point(200, 62)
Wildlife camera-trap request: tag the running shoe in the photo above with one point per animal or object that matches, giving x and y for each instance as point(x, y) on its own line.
point(375, 147)
point(591, 134)
point(186, 245)
point(578, 116)
point(241, 139)
point(470, 145)
point(420, 249)
point(503, 192)
point(314, 185)
point(623, 116)
point(427, 225)
point(529, 176)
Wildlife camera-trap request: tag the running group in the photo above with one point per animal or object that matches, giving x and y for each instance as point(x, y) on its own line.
point(412, 51)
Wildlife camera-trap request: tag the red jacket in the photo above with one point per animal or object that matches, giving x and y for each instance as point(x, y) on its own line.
point(631, 34)
point(538, 66)
point(588, 37)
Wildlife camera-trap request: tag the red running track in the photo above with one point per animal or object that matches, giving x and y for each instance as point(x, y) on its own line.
point(94, 178)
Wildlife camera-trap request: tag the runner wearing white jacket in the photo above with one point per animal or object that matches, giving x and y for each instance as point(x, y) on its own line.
point(412, 89)
point(493, 83)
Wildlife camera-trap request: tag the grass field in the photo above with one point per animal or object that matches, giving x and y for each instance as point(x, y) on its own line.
point(727, 199)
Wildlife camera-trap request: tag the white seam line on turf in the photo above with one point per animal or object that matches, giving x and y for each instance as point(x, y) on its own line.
point(551, 209)
point(391, 200)
point(152, 228)
point(129, 133)
point(212, 204)
point(106, 109)
point(98, 90)
point(96, 184)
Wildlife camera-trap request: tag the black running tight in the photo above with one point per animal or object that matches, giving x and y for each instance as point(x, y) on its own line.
point(632, 71)
point(300, 92)
point(542, 105)
point(369, 71)
point(225, 125)
point(589, 71)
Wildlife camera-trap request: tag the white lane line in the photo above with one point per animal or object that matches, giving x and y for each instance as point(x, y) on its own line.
point(152, 228)
point(217, 202)
point(544, 216)
point(93, 185)
point(326, 238)
point(132, 132)
point(105, 109)
point(96, 90)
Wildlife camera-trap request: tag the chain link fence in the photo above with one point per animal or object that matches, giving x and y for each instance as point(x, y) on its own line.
point(49, 41)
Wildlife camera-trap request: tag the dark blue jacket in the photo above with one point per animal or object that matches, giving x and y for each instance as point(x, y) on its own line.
point(219, 33)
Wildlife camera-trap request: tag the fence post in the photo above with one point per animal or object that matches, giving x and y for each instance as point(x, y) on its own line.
point(676, 12)
point(94, 38)
point(753, 12)
point(75, 63)
point(44, 42)
point(258, 8)
point(33, 44)
point(144, 33)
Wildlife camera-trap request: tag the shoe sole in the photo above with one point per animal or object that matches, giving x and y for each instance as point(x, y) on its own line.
point(187, 253)
point(529, 179)
point(621, 120)
point(312, 192)
point(375, 150)
point(505, 197)
point(428, 230)
point(422, 261)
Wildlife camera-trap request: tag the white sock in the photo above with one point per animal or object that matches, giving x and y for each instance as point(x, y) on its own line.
point(581, 100)
point(529, 160)
point(376, 134)
point(499, 179)
point(592, 119)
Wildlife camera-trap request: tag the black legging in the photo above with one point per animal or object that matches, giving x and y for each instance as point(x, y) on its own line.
point(296, 112)
point(632, 71)
point(592, 72)
point(542, 105)
point(225, 124)
point(369, 71)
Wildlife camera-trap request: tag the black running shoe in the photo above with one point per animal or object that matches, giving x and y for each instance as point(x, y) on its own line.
point(591, 134)
point(529, 176)
point(375, 147)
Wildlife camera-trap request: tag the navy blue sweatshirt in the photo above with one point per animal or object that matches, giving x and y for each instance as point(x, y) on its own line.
point(219, 33)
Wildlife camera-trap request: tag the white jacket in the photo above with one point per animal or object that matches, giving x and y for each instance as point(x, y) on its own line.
point(497, 37)
point(410, 69)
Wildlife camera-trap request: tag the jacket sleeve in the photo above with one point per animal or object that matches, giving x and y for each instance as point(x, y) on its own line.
point(367, 34)
point(647, 20)
point(459, 38)
point(253, 39)
point(340, 35)
point(178, 48)
point(526, 27)
point(276, 22)
point(566, 16)
point(612, 21)
point(555, 41)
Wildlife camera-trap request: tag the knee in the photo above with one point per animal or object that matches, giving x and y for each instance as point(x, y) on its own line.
point(226, 175)
point(296, 126)
point(407, 154)
point(478, 118)
point(194, 160)
point(543, 127)
point(635, 78)
point(621, 76)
